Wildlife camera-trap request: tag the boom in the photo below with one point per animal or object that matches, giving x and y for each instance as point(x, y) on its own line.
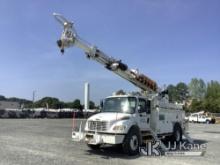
point(70, 38)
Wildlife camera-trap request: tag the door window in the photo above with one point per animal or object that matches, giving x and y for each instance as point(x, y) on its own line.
point(144, 105)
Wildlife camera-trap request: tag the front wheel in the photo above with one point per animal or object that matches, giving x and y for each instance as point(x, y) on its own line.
point(132, 142)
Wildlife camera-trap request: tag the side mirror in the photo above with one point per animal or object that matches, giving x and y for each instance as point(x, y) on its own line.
point(140, 110)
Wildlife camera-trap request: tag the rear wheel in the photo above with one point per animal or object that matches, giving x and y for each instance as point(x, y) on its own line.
point(177, 134)
point(132, 142)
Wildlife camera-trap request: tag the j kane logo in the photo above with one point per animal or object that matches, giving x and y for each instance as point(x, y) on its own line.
point(151, 149)
point(182, 149)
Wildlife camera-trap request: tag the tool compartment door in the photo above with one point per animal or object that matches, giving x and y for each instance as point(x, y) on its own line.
point(165, 120)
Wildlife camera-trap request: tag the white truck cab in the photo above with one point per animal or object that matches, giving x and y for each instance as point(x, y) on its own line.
point(128, 119)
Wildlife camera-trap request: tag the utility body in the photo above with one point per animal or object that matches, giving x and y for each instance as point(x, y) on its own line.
point(126, 119)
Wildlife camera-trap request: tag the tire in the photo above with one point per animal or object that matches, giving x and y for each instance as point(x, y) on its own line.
point(177, 134)
point(213, 121)
point(132, 142)
point(94, 147)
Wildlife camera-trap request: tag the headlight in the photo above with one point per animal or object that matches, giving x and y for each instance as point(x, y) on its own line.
point(119, 128)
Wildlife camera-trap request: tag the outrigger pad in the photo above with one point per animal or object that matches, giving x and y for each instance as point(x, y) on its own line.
point(77, 133)
point(77, 136)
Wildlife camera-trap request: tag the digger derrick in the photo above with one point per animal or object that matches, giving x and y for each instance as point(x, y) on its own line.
point(70, 38)
point(122, 123)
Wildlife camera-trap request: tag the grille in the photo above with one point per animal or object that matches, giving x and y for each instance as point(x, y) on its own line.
point(97, 125)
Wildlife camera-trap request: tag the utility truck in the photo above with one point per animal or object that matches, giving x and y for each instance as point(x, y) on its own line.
point(201, 117)
point(126, 119)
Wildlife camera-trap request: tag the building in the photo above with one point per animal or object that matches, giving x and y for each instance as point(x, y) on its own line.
point(9, 105)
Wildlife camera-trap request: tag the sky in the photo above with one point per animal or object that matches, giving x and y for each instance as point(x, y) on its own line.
point(170, 41)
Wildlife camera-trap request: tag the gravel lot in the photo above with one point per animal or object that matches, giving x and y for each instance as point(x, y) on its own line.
point(48, 141)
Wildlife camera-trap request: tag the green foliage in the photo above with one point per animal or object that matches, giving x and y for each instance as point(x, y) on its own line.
point(212, 105)
point(56, 104)
point(182, 92)
point(172, 93)
point(212, 98)
point(49, 102)
point(211, 101)
point(76, 104)
point(196, 106)
point(92, 105)
point(213, 90)
point(2, 98)
point(204, 97)
point(197, 89)
point(178, 93)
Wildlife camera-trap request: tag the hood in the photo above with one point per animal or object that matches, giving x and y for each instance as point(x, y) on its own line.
point(108, 116)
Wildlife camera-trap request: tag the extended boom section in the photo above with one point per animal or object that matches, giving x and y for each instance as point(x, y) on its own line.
point(70, 38)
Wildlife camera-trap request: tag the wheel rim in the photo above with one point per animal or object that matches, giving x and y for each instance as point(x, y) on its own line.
point(134, 142)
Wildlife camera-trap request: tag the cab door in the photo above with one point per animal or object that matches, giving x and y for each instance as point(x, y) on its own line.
point(143, 114)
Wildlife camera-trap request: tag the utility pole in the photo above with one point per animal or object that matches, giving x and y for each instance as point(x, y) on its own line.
point(33, 99)
point(86, 96)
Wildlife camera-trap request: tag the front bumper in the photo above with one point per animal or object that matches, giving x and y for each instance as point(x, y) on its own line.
point(97, 138)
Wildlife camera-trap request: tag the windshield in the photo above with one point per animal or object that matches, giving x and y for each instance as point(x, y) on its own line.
point(120, 104)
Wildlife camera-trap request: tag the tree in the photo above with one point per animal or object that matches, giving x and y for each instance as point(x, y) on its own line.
point(197, 89)
point(92, 105)
point(196, 105)
point(172, 93)
point(212, 105)
point(2, 98)
point(182, 92)
point(50, 101)
point(76, 104)
point(178, 93)
point(212, 98)
point(213, 90)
